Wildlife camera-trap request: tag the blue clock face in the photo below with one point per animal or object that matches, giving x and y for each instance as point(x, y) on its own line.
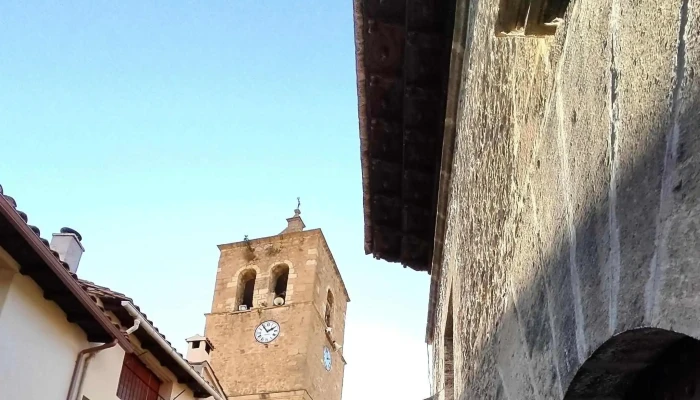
point(327, 361)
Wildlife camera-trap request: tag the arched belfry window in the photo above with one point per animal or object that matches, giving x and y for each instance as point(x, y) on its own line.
point(329, 309)
point(246, 289)
point(278, 281)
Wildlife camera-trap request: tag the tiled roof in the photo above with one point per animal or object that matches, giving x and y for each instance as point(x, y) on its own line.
point(34, 228)
point(112, 301)
point(107, 295)
point(200, 367)
point(75, 295)
point(93, 289)
point(36, 259)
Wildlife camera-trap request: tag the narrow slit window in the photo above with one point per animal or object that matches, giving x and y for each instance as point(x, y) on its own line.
point(530, 18)
point(329, 309)
point(449, 374)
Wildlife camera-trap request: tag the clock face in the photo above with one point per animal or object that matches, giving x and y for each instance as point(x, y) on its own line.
point(267, 331)
point(327, 358)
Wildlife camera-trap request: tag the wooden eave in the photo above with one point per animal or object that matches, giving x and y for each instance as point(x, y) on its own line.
point(403, 56)
point(461, 23)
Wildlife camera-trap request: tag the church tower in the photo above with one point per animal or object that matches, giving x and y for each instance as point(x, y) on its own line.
point(277, 320)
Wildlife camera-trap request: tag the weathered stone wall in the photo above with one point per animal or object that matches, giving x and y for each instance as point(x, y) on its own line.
point(266, 254)
point(245, 366)
point(328, 279)
point(323, 384)
point(575, 200)
point(327, 384)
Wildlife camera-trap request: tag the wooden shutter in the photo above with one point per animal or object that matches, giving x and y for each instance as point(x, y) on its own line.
point(136, 381)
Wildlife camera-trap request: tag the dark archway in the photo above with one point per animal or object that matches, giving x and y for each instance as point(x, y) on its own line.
point(246, 289)
point(641, 364)
point(279, 278)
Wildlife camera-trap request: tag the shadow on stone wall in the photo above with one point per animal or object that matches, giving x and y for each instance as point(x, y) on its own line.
point(649, 276)
point(585, 265)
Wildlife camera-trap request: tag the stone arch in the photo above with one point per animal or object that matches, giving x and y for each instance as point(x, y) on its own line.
point(237, 275)
point(245, 293)
point(288, 263)
point(640, 364)
point(279, 279)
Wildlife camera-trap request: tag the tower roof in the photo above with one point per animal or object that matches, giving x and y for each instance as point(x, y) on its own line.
point(295, 223)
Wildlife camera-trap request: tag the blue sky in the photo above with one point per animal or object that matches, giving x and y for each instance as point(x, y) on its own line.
point(160, 129)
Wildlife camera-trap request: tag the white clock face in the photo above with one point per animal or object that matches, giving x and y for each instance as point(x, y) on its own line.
point(327, 358)
point(267, 331)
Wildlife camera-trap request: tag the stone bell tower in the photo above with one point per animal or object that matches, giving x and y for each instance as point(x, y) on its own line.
point(277, 320)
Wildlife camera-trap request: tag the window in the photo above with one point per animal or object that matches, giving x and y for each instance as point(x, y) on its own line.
point(195, 345)
point(207, 348)
point(530, 17)
point(329, 309)
point(448, 370)
point(136, 381)
point(246, 288)
point(279, 279)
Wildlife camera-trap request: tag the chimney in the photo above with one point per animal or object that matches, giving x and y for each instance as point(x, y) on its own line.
point(199, 349)
point(67, 245)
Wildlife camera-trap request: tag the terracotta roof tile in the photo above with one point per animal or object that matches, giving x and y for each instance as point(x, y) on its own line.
point(102, 293)
point(93, 290)
point(35, 229)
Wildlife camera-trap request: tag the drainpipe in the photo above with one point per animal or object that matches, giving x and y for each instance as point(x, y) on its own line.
point(169, 349)
point(76, 381)
point(137, 323)
point(82, 361)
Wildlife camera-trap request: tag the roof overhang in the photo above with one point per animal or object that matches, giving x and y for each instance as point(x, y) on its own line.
point(403, 59)
point(38, 262)
point(205, 369)
point(114, 302)
point(459, 35)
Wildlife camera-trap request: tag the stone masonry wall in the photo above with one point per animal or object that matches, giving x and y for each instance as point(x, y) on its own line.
point(328, 279)
point(324, 384)
point(245, 366)
point(575, 200)
point(289, 367)
point(265, 255)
